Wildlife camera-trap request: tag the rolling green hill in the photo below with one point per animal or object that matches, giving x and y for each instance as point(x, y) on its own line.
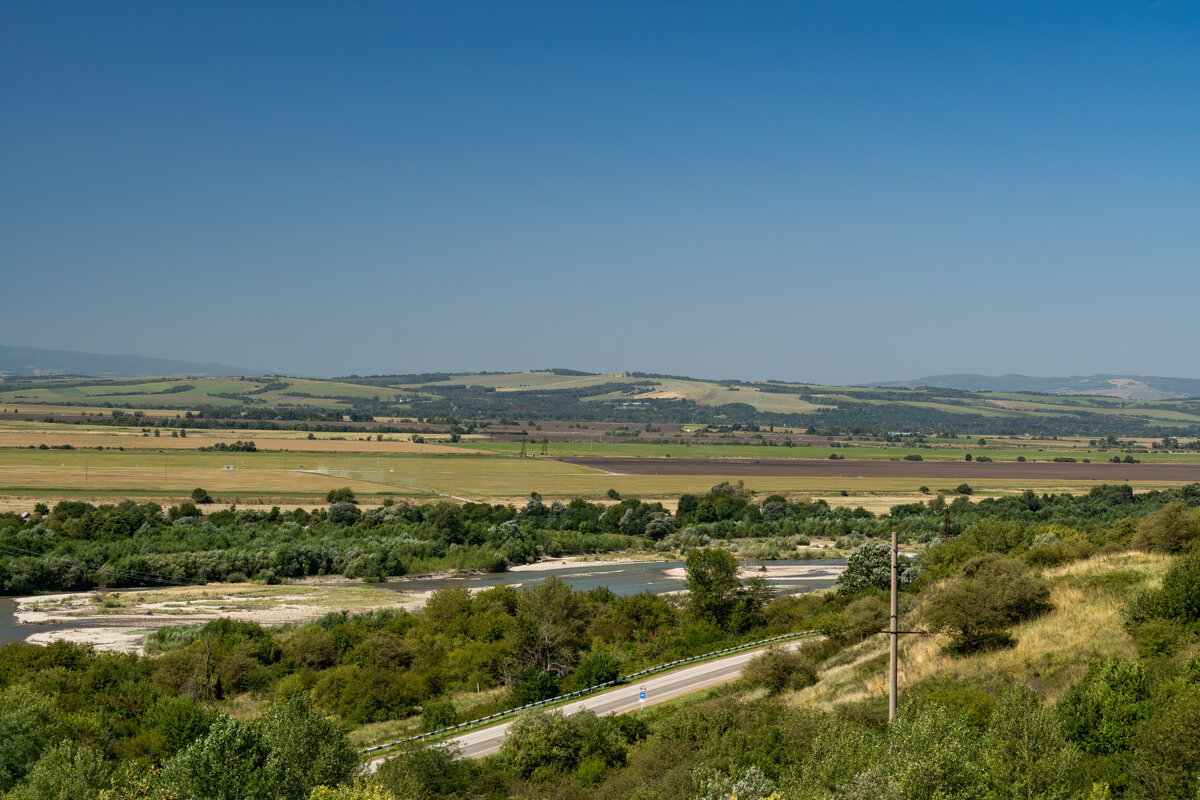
point(637, 398)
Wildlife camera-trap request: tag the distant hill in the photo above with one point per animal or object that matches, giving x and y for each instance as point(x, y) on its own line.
point(37, 361)
point(1128, 387)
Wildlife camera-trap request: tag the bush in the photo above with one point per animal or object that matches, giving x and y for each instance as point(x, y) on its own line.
point(871, 566)
point(977, 608)
point(201, 496)
point(1101, 711)
point(343, 495)
point(596, 668)
point(1179, 597)
point(344, 513)
point(777, 670)
point(549, 741)
point(1168, 531)
point(438, 714)
point(964, 488)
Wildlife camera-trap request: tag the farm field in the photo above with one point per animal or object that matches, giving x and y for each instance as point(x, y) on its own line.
point(304, 478)
point(180, 393)
point(937, 452)
point(77, 436)
point(389, 399)
point(952, 470)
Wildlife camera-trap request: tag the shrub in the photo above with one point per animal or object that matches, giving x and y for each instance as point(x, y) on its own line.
point(596, 668)
point(978, 607)
point(1101, 710)
point(776, 670)
point(550, 741)
point(1168, 531)
point(438, 714)
point(871, 566)
point(344, 513)
point(1179, 597)
point(343, 495)
point(201, 496)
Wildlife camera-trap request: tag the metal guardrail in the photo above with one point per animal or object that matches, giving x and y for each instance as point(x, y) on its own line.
point(581, 692)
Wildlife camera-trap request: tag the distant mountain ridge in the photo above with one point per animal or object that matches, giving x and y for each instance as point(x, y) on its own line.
point(1128, 387)
point(41, 362)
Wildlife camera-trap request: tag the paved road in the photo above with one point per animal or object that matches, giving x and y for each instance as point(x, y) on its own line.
point(659, 689)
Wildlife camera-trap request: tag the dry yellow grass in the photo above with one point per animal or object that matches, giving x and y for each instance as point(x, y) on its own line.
point(152, 477)
point(37, 411)
point(81, 437)
point(1051, 651)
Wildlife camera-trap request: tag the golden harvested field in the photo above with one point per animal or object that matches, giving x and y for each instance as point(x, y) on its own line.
point(38, 411)
point(291, 468)
point(133, 439)
point(51, 473)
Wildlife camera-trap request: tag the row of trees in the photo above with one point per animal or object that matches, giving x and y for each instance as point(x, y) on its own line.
point(78, 546)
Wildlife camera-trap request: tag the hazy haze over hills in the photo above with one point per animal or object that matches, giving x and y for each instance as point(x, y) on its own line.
point(38, 361)
point(1130, 387)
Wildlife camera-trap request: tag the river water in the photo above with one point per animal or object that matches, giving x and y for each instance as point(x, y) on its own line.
point(620, 578)
point(631, 578)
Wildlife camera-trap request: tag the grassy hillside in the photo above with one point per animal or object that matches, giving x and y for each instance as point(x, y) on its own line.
point(1086, 625)
point(628, 398)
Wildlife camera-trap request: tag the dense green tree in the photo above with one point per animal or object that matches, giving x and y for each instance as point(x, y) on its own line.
point(539, 740)
point(342, 495)
point(65, 772)
point(934, 752)
point(304, 750)
point(550, 623)
point(227, 764)
point(1165, 762)
point(1167, 531)
point(28, 723)
point(1102, 710)
point(1025, 752)
point(870, 566)
point(712, 584)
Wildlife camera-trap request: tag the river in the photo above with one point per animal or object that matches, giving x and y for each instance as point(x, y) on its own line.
point(622, 579)
point(632, 578)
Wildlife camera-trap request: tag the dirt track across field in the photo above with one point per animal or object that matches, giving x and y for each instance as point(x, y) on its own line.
point(1040, 471)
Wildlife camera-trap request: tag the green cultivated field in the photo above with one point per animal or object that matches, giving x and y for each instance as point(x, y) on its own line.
point(783, 398)
point(154, 392)
point(940, 452)
point(308, 476)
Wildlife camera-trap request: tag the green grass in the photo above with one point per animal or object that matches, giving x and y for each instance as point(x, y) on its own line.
point(149, 392)
point(944, 452)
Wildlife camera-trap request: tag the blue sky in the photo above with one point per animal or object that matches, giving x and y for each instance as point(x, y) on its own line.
point(824, 191)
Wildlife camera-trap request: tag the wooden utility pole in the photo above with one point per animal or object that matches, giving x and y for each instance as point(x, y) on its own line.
point(895, 627)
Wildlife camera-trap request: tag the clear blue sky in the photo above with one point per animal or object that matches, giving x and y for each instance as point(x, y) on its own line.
point(831, 191)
